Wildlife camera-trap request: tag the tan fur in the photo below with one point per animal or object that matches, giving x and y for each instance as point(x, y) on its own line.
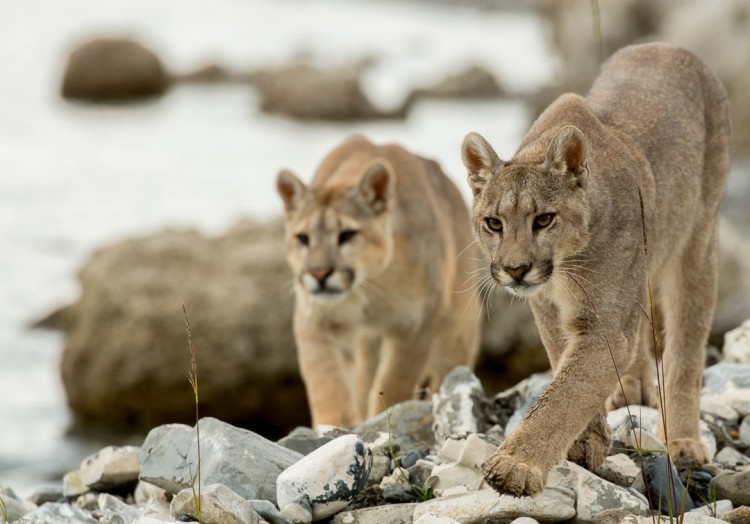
point(397, 314)
point(655, 122)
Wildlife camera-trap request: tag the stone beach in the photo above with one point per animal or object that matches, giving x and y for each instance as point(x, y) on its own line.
point(418, 462)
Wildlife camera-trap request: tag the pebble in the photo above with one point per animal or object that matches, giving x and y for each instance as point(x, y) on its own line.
point(733, 485)
point(737, 344)
point(391, 514)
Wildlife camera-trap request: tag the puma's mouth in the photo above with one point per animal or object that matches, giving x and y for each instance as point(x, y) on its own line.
point(523, 289)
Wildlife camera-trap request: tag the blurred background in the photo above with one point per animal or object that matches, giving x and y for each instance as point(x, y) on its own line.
point(139, 143)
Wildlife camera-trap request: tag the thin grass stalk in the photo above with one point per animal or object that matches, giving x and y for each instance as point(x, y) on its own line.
point(193, 379)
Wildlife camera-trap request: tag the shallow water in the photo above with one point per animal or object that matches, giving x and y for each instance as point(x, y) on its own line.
point(74, 177)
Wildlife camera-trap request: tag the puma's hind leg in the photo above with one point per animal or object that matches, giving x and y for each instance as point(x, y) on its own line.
point(636, 385)
point(688, 299)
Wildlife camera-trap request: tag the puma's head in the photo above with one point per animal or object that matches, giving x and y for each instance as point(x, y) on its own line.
point(338, 236)
point(530, 214)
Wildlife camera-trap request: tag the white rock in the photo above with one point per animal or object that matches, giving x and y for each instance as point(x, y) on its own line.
point(714, 509)
point(549, 506)
point(396, 486)
point(329, 476)
point(737, 344)
point(745, 431)
point(525, 520)
point(715, 406)
point(687, 518)
point(218, 504)
point(145, 491)
point(731, 458)
point(110, 467)
point(429, 518)
point(155, 510)
point(15, 506)
point(455, 408)
point(467, 456)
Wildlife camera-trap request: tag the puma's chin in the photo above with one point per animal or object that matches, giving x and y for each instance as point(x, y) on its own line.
point(328, 296)
point(524, 289)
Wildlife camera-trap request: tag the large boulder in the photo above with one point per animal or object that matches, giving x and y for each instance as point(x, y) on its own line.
point(113, 69)
point(126, 356)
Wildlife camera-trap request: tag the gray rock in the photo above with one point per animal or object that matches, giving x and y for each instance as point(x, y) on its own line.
point(57, 513)
point(392, 514)
point(410, 459)
point(479, 506)
point(420, 473)
point(538, 382)
point(525, 520)
point(733, 485)
point(457, 407)
point(621, 470)
point(329, 477)
point(303, 440)
point(730, 458)
point(46, 494)
point(15, 506)
point(218, 505)
point(245, 462)
point(112, 510)
point(737, 344)
point(664, 485)
point(411, 425)
point(594, 496)
point(397, 486)
point(269, 512)
point(729, 383)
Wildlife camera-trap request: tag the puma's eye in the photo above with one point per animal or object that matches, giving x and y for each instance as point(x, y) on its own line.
point(494, 224)
point(543, 221)
point(303, 239)
point(346, 235)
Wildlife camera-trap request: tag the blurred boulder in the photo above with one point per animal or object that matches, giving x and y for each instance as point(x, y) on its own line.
point(126, 358)
point(473, 82)
point(308, 93)
point(715, 31)
point(113, 69)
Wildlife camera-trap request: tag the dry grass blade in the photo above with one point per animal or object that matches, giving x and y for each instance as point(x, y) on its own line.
point(193, 379)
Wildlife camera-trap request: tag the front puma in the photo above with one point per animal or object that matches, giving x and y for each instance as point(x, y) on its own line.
point(606, 193)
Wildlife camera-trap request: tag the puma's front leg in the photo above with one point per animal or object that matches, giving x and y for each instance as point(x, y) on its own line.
point(402, 364)
point(584, 377)
point(322, 361)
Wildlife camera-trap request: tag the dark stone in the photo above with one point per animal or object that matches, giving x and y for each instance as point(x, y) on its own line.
point(303, 440)
point(663, 483)
point(410, 459)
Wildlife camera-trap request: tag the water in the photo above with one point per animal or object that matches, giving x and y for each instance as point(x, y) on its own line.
point(75, 177)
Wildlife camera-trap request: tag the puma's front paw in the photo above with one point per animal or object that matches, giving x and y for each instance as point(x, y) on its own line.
point(507, 475)
point(688, 452)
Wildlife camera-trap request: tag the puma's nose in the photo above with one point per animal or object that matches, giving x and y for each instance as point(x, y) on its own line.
point(321, 273)
point(517, 272)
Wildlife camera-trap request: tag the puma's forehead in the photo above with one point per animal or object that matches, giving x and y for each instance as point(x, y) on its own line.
point(323, 219)
point(522, 188)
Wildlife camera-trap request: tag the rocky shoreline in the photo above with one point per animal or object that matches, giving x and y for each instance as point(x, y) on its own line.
point(417, 462)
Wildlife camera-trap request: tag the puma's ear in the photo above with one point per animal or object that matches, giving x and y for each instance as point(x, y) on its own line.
point(376, 185)
point(290, 188)
point(480, 160)
point(568, 152)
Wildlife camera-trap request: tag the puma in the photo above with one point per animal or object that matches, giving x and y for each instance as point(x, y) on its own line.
point(378, 244)
point(607, 193)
